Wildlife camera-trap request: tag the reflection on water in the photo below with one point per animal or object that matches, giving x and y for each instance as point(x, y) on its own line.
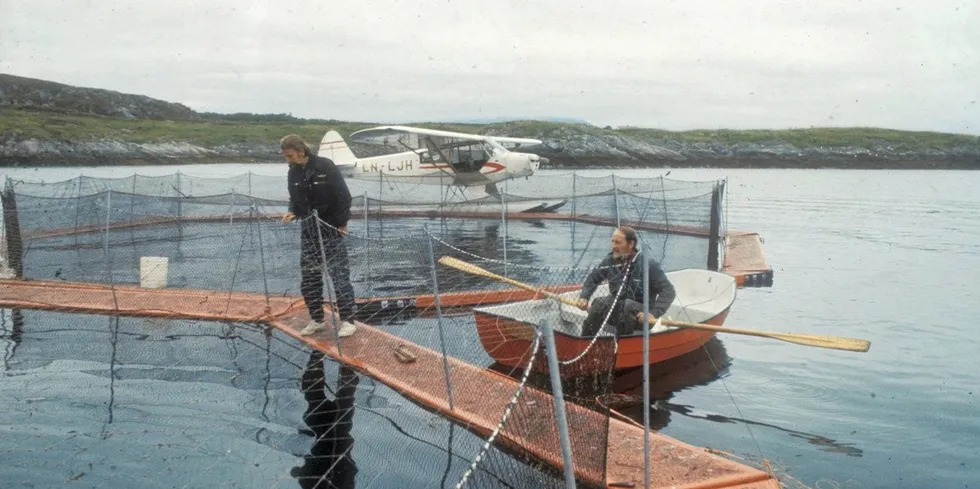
point(330, 462)
point(12, 329)
point(625, 392)
point(698, 368)
point(825, 444)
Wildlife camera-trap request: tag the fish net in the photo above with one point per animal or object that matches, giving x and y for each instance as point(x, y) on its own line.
point(191, 282)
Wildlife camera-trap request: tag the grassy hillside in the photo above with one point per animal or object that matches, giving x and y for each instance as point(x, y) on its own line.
point(855, 137)
point(18, 91)
point(21, 124)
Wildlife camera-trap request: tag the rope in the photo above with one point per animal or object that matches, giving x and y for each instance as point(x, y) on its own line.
point(510, 406)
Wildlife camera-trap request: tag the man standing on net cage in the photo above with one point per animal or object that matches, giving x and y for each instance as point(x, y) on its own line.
point(315, 184)
point(623, 268)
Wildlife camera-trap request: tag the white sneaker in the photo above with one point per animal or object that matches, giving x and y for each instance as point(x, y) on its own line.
point(346, 329)
point(311, 327)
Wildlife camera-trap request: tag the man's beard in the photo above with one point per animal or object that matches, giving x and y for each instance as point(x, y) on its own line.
point(622, 256)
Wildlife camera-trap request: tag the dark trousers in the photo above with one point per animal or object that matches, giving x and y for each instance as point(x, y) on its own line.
point(623, 316)
point(311, 262)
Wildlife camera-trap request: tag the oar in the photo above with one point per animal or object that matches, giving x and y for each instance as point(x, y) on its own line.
point(820, 341)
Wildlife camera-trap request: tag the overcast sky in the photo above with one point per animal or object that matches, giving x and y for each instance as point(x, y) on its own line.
point(656, 63)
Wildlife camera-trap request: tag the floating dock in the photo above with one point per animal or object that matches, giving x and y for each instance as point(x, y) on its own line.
point(673, 463)
point(745, 259)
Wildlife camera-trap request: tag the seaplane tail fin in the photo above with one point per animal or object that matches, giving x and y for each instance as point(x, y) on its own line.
point(334, 147)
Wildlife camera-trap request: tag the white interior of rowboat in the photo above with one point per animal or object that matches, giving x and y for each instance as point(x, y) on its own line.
point(701, 295)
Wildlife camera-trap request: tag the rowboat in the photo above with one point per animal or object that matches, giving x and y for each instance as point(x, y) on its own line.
point(507, 331)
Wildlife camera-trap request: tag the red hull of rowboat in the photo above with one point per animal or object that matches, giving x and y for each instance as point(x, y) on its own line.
point(509, 341)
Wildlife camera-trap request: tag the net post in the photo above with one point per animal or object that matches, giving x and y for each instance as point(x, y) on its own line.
point(327, 282)
point(12, 234)
point(78, 206)
point(132, 200)
point(180, 209)
point(105, 235)
point(616, 199)
point(442, 333)
point(133, 221)
point(559, 399)
point(381, 198)
point(180, 195)
point(714, 229)
point(265, 279)
point(644, 252)
point(108, 261)
point(574, 209)
point(503, 223)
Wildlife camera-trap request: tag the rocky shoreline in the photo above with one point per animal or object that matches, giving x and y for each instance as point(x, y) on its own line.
point(581, 154)
point(32, 153)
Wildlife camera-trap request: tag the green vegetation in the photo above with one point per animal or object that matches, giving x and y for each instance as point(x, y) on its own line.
point(23, 124)
point(218, 129)
point(213, 130)
point(854, 137)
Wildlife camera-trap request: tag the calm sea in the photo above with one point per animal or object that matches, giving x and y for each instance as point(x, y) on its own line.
point(888, 256)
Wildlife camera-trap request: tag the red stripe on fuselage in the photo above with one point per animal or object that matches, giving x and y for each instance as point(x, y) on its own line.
point(496, 167)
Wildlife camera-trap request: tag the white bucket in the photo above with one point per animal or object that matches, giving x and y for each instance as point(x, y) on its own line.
point(153, 272)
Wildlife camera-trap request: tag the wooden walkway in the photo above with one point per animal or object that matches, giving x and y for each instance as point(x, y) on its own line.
point(745, 259)
point(371, 351)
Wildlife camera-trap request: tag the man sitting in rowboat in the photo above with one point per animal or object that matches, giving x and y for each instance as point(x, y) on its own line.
point(622, 268)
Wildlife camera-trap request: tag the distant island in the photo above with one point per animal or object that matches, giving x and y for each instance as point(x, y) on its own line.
point(43, 123)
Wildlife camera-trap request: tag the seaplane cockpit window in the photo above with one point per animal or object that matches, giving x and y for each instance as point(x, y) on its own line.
point(469, 157)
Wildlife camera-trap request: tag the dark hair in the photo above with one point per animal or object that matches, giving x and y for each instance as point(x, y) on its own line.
point(294, 142)
point(630, 235)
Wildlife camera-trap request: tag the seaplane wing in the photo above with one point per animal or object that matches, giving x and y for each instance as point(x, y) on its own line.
point(511, 143)
point(412, 137)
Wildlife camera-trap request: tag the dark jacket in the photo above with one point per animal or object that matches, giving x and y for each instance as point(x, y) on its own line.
point(661, 290)
point(319, 185)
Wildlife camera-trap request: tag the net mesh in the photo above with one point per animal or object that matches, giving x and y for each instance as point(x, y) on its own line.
point(461, 354)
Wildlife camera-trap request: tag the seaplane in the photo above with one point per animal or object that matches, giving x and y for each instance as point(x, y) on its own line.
point(470, 164)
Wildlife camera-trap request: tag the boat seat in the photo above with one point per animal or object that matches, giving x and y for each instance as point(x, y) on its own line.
point(571, 318)
point(694, 314)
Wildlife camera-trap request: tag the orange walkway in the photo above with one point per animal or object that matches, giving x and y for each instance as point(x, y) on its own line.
point(745, 259)
point(673, 464)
